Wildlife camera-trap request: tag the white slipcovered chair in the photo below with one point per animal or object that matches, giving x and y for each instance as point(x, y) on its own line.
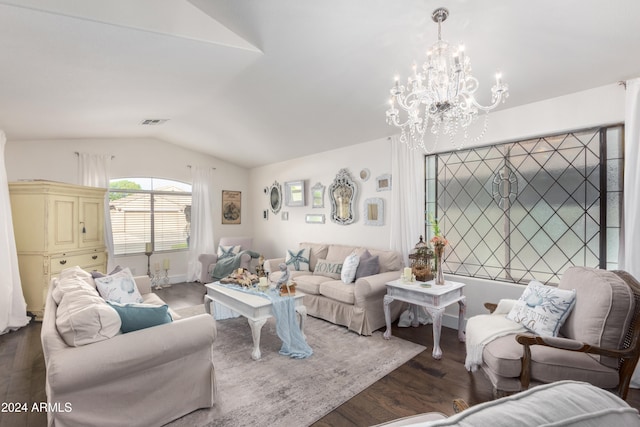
point(209, 261)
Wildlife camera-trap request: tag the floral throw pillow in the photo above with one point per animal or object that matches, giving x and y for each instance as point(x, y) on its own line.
point(119, 287)
point(228, 251)
point(543, 309)
point(298, 259)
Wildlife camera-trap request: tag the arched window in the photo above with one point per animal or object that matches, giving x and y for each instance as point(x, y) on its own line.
point(149, 210)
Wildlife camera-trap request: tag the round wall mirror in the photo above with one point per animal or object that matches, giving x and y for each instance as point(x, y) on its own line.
point(275, 197)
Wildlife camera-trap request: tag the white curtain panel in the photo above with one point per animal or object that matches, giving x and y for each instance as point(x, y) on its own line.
point(13, 308)
point(94, 171)
point(630, 255)
point(202, 206)
point(407, 198)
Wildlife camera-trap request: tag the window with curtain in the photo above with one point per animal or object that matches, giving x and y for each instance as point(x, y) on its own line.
point(530, 209)
point(149, 210)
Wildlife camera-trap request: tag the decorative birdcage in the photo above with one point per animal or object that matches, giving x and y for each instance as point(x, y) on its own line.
point(421, 257)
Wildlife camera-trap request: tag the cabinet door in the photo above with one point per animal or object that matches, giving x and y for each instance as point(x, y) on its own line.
point(91, 222)
point(63, 223)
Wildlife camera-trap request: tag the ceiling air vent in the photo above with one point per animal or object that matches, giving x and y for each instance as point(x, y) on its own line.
point(153, 122)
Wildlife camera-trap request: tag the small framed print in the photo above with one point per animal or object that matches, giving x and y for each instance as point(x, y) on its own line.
point(383, 183)
point(374, 211)
point(265, 214)
point(231, 207)
point(285, 216)
point(314, 218)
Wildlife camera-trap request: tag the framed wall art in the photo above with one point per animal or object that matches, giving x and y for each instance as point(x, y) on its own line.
point(383, 182)
point(231, 207)
point(317, 196)
point(294, 193)
point(374, 211)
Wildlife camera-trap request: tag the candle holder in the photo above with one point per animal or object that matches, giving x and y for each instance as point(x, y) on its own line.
point(156, 280)
point(165, 279)
point(148, 254)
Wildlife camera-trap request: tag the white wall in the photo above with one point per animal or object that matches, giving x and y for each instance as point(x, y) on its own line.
point(56, 160)
point(598, 106)
point(274, 235)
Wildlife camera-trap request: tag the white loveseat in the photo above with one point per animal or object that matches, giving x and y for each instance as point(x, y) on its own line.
point(142, 378)
point(358, 305)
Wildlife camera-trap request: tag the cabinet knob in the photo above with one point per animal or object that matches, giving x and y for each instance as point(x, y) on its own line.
point(63, 261)
point(94, 257)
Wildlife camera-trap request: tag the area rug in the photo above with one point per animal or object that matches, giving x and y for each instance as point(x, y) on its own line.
point(279, 391)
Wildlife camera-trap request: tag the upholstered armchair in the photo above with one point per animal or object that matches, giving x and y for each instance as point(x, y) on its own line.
point(209, 261)
point(597, 343)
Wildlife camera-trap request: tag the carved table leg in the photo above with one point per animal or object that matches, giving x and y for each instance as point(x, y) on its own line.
point(387, 316)
point(436, 315)
point(302, 314)
point(463, 309)
point(256, 328)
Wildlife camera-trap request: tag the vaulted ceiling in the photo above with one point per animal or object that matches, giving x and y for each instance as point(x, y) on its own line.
point(258, 81)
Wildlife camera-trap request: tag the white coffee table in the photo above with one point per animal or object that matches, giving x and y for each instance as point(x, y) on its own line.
point(255, 308)
point(434, 299)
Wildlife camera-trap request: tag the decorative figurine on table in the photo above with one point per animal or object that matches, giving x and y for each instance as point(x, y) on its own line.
point(260, 267)
point(283, 285)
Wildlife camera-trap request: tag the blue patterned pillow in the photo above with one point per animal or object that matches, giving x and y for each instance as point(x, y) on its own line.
point(141, 316)
point(119, 287)
point(543, 309)
point(228, 251)
point(298, 259)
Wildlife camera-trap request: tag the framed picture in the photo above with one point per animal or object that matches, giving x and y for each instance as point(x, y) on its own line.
point(317, 196)
point(314, 218)
point(285, 216)
point(265, 214)
point(383, 183)
point(294, 193)
point(374, 211)
point(231, 207)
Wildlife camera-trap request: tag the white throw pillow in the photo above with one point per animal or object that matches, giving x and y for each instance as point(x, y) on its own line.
point(69, 285)
point(298, 259)
point(543, 309)
point(119, 287)
point(228, 251)
point(84, 319)
point(77, 273)
point(349, 268)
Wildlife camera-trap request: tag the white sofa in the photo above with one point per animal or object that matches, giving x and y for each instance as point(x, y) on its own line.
point(359, 305)
point(563, 403)
point(142, 378)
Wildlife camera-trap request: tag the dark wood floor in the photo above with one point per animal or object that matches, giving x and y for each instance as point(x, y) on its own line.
point(420, 385)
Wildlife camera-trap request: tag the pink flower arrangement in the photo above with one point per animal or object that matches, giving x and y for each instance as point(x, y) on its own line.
point(439, 241)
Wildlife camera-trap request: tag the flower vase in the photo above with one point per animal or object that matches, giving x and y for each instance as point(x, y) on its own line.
point(439, 274)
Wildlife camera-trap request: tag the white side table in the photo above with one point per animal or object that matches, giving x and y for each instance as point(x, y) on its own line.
point(434, 299)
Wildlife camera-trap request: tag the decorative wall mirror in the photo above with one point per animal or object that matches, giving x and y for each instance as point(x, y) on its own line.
point(317, 196)
point(374, 211)
point(342, 193)
point(275, 197)
point(294, 193)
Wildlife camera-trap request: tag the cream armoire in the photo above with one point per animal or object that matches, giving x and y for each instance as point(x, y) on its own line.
point(56, 226)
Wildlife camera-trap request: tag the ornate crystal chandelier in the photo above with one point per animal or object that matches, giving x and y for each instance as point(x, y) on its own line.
point(440, 96)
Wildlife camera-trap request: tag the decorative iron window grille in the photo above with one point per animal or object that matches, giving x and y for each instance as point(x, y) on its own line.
point(529, 209)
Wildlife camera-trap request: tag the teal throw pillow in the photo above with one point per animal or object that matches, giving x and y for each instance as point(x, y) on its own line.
point(141, 316)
